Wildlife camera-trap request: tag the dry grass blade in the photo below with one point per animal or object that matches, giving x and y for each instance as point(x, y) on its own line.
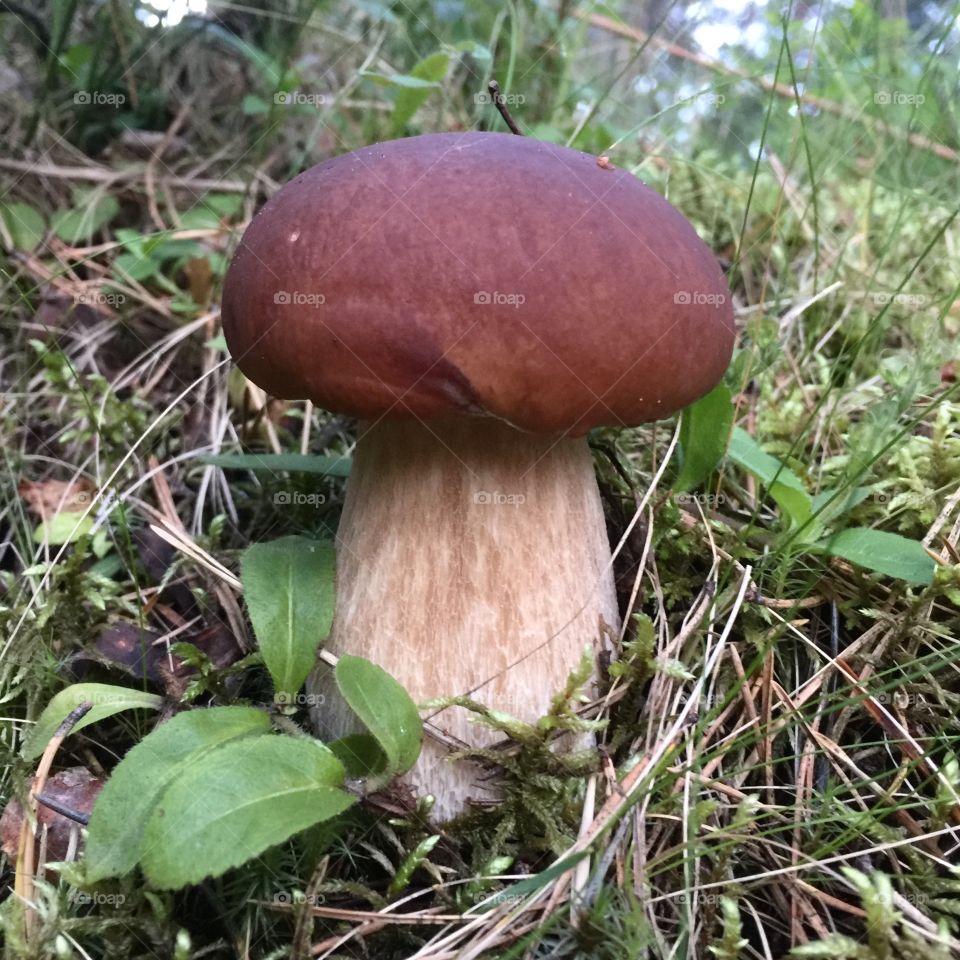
point(26, 855)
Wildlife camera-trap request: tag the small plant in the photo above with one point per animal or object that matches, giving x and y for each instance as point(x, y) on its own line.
point(212, 788)
point(810, 523)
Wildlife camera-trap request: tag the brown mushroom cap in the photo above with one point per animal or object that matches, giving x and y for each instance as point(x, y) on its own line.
point(478, 274)
point(76, 788)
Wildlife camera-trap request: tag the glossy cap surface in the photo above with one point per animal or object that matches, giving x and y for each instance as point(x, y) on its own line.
point(478, 274)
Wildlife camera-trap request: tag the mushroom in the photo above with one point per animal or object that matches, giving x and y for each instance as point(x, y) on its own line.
point(66, 801)
point(479, 301)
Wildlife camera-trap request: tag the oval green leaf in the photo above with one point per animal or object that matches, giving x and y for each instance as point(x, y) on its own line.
point(409, 99)
point(64, 527)
point(106, 699)
point(385, 709)
point(116, 830)
point(704, 432)
point(883, 552)
point(81, 223)
point(781, 482)
point(289, 588)
point(360, 755)
point(24, 224)
point(246, 796)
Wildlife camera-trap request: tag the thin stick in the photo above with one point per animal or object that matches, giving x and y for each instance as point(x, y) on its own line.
point(75, 815)
point(23, 884)
point(501, 105)
point(99, 174)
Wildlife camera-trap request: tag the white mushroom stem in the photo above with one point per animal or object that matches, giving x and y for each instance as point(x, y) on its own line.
point(472, 559)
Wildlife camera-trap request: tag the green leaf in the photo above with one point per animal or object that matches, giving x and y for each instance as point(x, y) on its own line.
point(199, 218)
point(432, 69)
point(704, 432)
point(24, 224)
point(246, 796)
point(135, 266)
point(167, 250)
point(476, 50)
point(830, 504)
point(224, 204)
point(783, 485)
point(748, 454)
point(101, 543)
point(211, 210)
point(289, 589)
point(75, 57)
point(115, 838)
point(252, 105)
point(275, 462)
point(131, 239)
point(150, 243)
point(413, 860)
point(360, 755)
point(532, 884)
point(385, 709)
point(401, 80)
point(64, 527)
point(81, 223)
point(106, 699)
point(883, 552)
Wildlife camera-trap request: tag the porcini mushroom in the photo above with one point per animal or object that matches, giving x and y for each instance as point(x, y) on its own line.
point(480, 301)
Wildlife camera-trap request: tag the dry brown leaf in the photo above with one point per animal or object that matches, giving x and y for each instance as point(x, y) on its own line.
point(76, 789)
point(46, 498)
point(200, 277)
